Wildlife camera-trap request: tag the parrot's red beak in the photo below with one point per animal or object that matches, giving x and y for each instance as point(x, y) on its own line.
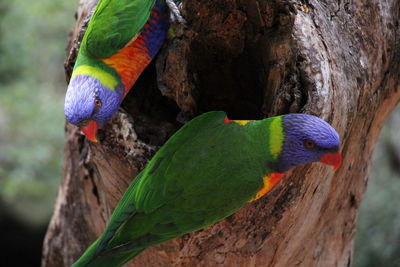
point(333, 159)
point(90, 130)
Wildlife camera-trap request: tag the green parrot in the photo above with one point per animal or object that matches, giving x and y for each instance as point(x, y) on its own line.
point(205, 172)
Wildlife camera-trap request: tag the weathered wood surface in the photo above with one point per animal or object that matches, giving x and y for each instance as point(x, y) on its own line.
point(339, 60)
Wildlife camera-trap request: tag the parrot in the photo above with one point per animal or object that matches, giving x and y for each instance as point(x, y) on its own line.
point(122, 38)
point(209, 169)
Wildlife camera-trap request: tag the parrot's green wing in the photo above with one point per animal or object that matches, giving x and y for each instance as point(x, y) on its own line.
point(158, 172)
point(114, 24)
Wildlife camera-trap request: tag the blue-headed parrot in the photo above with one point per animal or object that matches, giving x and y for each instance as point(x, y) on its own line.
point(206, 171)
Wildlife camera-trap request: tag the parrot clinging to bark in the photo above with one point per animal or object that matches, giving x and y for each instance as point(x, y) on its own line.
point(122, 38)
point(205, 172)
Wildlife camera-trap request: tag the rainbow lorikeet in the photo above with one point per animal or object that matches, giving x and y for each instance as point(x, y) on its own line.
point(205, 172)
point(122, 38)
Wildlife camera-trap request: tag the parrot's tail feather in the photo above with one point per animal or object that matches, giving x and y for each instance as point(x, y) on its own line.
point(143, 242)
point(113, 228)
point(124, 211)
point(114, 260)
point(99, 247)
point(88, 256)
point(118, 255)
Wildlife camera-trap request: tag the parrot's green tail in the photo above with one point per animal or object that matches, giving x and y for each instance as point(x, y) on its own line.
point(118, 255)
point(92, 259)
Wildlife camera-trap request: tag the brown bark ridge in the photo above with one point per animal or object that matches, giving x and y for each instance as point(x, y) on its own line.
point(338, 60)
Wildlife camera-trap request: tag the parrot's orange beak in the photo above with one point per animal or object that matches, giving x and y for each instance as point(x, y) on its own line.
point(90, 130)
point(333, 159)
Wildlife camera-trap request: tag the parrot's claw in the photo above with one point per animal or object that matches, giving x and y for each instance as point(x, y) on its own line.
point(176, 11)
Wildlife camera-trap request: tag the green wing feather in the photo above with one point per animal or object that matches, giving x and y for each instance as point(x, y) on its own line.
point(114, 24)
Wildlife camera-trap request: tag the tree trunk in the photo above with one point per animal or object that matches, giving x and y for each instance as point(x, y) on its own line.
point(338, 60)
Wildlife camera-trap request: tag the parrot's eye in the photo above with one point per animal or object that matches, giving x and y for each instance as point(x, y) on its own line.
point(309, 144)
point(97, 105)
point(97, 102)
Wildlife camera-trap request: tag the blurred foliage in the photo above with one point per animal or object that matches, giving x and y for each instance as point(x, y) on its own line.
point(378, 231)
point(32, 85)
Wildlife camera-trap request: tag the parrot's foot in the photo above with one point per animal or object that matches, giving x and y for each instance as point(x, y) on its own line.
point(175, 11)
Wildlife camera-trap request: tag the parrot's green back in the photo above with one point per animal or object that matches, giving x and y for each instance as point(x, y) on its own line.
point(205, 172)
point(114, 24)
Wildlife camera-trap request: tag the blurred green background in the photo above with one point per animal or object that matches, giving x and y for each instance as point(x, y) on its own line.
point(378, 230)
point(33, 36)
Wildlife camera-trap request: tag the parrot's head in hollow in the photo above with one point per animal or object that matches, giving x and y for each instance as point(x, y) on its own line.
point(308, 139)
point(90, 103)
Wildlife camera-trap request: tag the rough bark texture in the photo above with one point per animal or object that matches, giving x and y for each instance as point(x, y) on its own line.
point(339, 60)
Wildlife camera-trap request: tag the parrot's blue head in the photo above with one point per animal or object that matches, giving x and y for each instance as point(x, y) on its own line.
point(89, 104)
point(308, 139)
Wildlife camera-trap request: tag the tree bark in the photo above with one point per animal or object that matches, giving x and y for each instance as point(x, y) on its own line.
point(338, 60)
